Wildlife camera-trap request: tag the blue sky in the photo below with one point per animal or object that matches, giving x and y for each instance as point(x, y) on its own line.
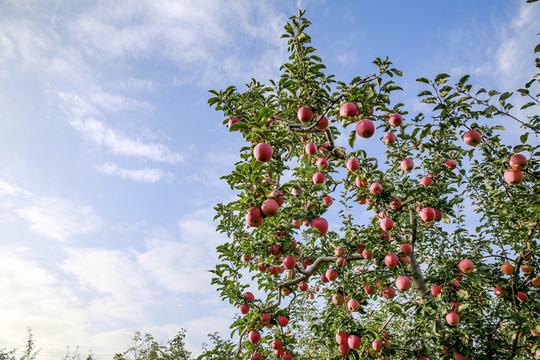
point(110, 157)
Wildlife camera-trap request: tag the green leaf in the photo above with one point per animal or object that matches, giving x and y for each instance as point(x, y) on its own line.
point(238, 125)
point(529, 104)
point(424, 80)
point(524, 138)
point(352, 137)
point(498, 127)
point(537, 47)
point(493, 92)
point(425, 92)
point(319, 187)
point(441, 78)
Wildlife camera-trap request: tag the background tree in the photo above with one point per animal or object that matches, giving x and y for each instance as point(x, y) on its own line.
point(450, 212)
point(145, 347)
point(30, 351)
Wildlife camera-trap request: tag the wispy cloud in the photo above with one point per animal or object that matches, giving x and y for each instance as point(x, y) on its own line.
point(143, 175)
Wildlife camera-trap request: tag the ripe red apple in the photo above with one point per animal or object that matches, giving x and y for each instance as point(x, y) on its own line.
point(361, 183)
point(270, 207)
point(396, 204)
point(353, 305)
point(249, 296)
point(287, 356)
point(386, 224)
point(354, 341)
point(403, 283)
point(349, 109)
point(436, 290)
point(244, 308)
point(451, 164)
point(389, 138)
point(407, 164)
point(376, 345)
point(388, 292)
point(499, 291)
point(375, 188)
point(522, 297)
point(395, 120)
point(353, 164)
point(263, 152)
point(466, 266)
point(289, 262)
point(536, 282)
point(322, 163)
point(322, 124)
point(338, 299)
point(365, 128)
point(295, 223)
point(513, 177)
point(328, 200)
point(321, 224)
point(254, 217)
point(278, 196)
point(310, 148)
point(331, 274)
point(305, 114)
point(438, 215)
point(256, 356)
point(367, 254)
point(406, 248)
point(405, 258)
point(340, 251)
point(318, 178)
point(427, 214)
point(261, 266)
point(303, 286)
point(452, 318)
point(507, 268)
point(275, 250)
point(254, 337)
point(279, 352)
point(426, 181)
point(283, 321)
point(276, 344)
point(324, 279)
point(266, 318)
point(518, 162)
point(233, 121)
point(324, 148)
point(391, 260)
point(472, 138)
point(368, 289)
point(344, 349)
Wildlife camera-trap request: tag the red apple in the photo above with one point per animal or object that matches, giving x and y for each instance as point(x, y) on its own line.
point(407, 164)
point(254, 336)
point(405, 258)
point(338, 299)
point(318, 178)
point(266, 318)
point(261, 266)
point(256, 356)
point(368, 289)
point(354, 341)
point(303, 286)
point(438, 215)
point(361, 183)
point(287, 356)
point(283, 321)
point(324, 148)
point(375, 188)
point(254, 217)
point(452, 318)
point(376, 345)
point(324, 279)
point(395, 120)
point(389, 138)
point(321, 224)
point(295, 223)
point(536, 282)
point(365, 128)
point(499, 291)
point(388, 292)
point(518, 162)
point(403, 283)
point(322, 163)
point(349, 109)
point(244, 308)
point(328, 200)
point(522, 297)
point(507, 268)
point(270, 207)
point(427, 214)
point(472, 138)
point(386, 224)
point(289, 262)
point(396, 204)
point(310, 148)
point(353, 305)
point(353, 164)
point(305, 114)
point(366, 254)
point(513, 177)
point(451, 164)
point(426, 181)
point(263, 152)
point(276, 344)
point(249, 296)
point(344, 349)
point(436, 290)
point(391, 260)
point(340, 251)
point(233, 121)
point(406, 248)
point(278, 196)
point(331, 274)
point(466, 266)
point(279, 352)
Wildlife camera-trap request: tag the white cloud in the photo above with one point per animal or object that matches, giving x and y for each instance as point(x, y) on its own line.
point(143, 175)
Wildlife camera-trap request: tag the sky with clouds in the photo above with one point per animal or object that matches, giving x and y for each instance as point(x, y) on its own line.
point(110, 157)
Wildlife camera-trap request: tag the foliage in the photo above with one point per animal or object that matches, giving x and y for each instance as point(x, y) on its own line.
point(30, 351)
point(483, 218)
point(145, 347)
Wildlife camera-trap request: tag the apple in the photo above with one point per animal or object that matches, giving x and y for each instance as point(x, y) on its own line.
point(249, 296)
point(322, 124)
point(406, 248)
point(452, 318)
point(295, 223)
point(289, 262)
point(270, 207)
point(426, 181)
point(466, 266)
point(285, 292)
point(375, 188)
point(396, 204)
point(275, 250)
point(254, 337)
point(527, 268)
point(303, 286)
point(368, 289)
point(353, 305)
point(405, 258)
point(318, 178)
point(283, 321)
point(305, 114)
point(266, 318)
point(518, 162)
point(389, 138)
point(451, 164)
point(276, 344)
point(513, 177)
point(244, 308)
point(279, 352)
point(354, 341)
point(507, 268)
point(391, 260)
point(324, 148)
point(353, 164)
point(365, 128)
point(522, 297)
point(536, 282)
point(278, 196)
point(233, 121)
point(403, 283)
point(427, 214)
point(322, 163)
point(331, 274)
point(328, 200)
point(321, 224)
point(407, 164)
point(256, 356)
point(338, 299)
point(349, 109)
point(263, 152)
point(388, 292)
point(376, 345)
point(324, 279)
point(361, 183)
point(395, 120)
point(344, 349)
point(261, 266)
point(436, 290)
point(499, 291)
point(472, 138)
point(287, 356)
point(367, 254)
point(310, 148)
point(438, 215)
point(296, 191)
point(254, 217)
point(386, 224)
point(340, 251)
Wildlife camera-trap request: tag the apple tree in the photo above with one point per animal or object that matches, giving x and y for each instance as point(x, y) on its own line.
point(362, 231)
